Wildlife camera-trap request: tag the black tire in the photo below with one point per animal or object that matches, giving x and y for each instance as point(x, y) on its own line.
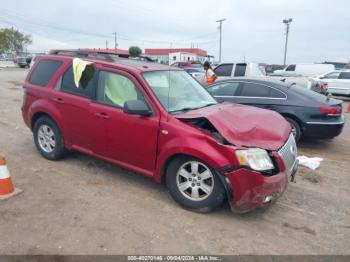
point(295, 127)
point(210, 202)
point(58, 151)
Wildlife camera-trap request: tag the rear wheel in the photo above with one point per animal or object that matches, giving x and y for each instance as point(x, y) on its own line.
point(296, 130)
point(194, 185)
point(48, 139)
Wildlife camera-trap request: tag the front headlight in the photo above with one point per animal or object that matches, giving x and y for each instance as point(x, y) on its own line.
point(256, 158)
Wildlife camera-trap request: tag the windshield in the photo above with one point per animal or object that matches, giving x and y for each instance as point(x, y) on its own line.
point(178, 91)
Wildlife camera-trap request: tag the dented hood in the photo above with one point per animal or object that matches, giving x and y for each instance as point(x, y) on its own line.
point(244, 125)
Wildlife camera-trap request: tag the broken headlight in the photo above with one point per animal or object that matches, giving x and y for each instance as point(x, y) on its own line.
point(256, 158)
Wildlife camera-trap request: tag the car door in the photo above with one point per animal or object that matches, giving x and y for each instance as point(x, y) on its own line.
point(344, 83)
point(224, 91)
point(130, 140)
point(73, 104)
point(260, 95)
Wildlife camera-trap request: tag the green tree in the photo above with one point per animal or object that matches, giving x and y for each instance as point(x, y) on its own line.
point(12, 40)
point(135, 51)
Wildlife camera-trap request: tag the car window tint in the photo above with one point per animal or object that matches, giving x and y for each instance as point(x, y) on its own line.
point(333, 75)
point(276, 94)
point(44, 71)
point(86, 84)
point(344, 75)
point(115, 89)
point(224, 70)
point(240, 69)
point(224, 89)
point(255, 90)
point(291, 68)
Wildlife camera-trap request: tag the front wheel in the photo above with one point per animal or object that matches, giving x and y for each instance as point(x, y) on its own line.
point(194, 185)
point(296, 130)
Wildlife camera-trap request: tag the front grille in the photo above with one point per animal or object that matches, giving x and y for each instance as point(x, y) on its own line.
point(289, 154)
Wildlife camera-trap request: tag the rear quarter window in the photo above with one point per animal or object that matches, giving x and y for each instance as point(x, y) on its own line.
point(44, 71)
point(86, 84)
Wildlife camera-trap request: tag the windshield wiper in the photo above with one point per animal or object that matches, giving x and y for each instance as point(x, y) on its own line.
point(191, 108)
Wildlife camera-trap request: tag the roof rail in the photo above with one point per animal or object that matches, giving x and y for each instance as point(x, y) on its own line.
point(95, 54)
point(85, 54)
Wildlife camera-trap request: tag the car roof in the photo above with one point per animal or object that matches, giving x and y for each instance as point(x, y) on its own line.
point(111, 60)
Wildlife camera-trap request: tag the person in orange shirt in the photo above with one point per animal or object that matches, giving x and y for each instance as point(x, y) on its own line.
point(210, 75)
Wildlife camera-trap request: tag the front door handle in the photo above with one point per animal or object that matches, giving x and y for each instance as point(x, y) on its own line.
point(58, 100)
point(102, 115)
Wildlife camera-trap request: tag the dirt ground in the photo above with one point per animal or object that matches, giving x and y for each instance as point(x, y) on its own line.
point(81, 205)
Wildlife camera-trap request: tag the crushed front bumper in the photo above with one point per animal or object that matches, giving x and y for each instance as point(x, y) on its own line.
point(248, 189)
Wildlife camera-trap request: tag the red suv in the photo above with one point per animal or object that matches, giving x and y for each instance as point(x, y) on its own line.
point(158, 121)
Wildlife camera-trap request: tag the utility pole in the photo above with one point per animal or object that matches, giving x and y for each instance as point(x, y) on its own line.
point(220, 30)
point(287, 22)
point(106, 44)
point(115, 40)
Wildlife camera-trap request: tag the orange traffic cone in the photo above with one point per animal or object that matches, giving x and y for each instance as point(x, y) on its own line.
point(7, 189)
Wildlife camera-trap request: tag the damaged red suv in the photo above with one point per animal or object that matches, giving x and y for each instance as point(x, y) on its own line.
point(158, 121)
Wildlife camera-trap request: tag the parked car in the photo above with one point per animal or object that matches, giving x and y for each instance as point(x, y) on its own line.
point(309, 113)
point(335, 82)
point(309, 70)
point(158, 121)
point(185, 65)
point(23, 61)
point(228, 70)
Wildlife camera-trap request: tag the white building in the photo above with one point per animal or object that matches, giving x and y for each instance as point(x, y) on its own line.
point(173, 55)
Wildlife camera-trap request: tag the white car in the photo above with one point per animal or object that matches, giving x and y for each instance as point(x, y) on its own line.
point(309, 70)
point(338, 82)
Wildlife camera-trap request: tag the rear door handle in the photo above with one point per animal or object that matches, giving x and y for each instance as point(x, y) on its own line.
point(102, 115)
point(58, 100)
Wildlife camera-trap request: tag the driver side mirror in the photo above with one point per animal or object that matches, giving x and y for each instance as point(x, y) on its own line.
point(137, 107)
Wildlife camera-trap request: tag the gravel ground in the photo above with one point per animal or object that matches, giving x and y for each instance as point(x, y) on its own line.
point(81, 205)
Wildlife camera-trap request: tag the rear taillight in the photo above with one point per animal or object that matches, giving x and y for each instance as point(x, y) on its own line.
point(323, 86)
point(331, 111)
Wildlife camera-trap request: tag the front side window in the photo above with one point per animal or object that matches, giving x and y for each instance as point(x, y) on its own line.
point(224, 89)
point(115, 89)
point(333, 75)
point(86, 84)
point(224, 70)
point(291, 68)
point(344, 75)
point(44, 71)
point(178, 91)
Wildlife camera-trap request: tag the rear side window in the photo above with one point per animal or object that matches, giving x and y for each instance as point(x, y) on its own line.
point(291, 68)
point(276, 94)
point(240, 69)
point(255, 90)
point(344, 75)
point(224, 89)
point(333, 75)
point(224, 70)
point(86, 84)
point(44, 71)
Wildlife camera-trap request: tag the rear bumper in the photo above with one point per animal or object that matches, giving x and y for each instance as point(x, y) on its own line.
point(249, 189)
point(323, 129)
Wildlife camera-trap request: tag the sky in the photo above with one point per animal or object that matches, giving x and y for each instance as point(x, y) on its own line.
point(253, 30)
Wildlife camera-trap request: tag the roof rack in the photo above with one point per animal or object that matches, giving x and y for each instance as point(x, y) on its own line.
point(95, 54)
